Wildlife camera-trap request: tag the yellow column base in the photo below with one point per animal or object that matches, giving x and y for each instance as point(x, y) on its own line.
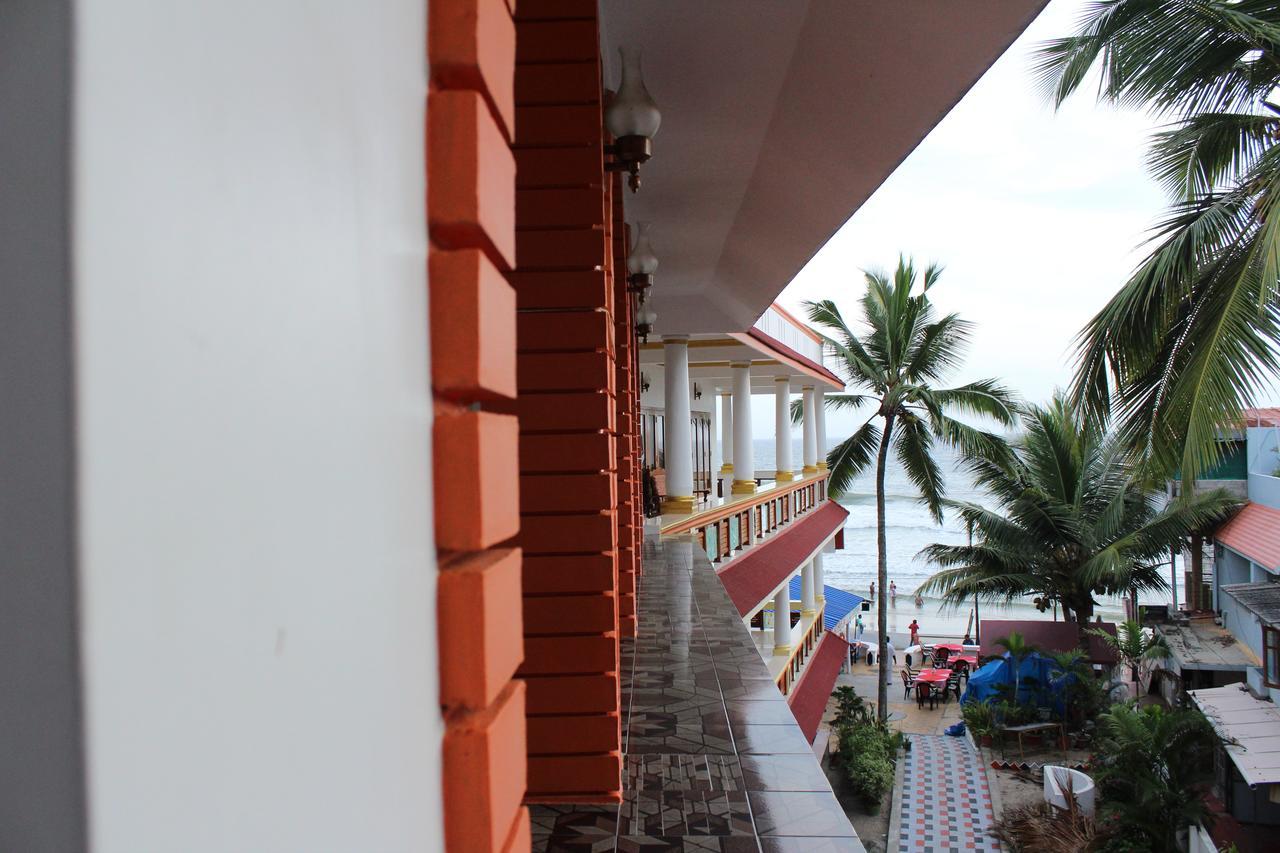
point(785, 476)
point(744, 487)
point(726, 468)
point(782, 650)
point(822, 466)
point(808, 613)
point(809, 469)
point(677, 505)
point(822, 599)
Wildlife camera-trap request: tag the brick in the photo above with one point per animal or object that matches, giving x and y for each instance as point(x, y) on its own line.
point(566, 454)
point(520, 839)
point(572, 774)
point(568, 655)
point(557, 9)
point(573, 207)
point(570, 614)
point(484, 761)
point(570, 166)
point(556, 41)
point(475, 457)
point(559, 83)
point(561, 734)
point(568, 573)
point(473, 325)
point(572, 694)
point(559, 331)
point(590, 371)
point(563, 289)
point(472, 45)
point(561, 249)
point(583, 410)
point(470, 177)
point(480, 619)
point(560, 124)
point(569, 534)
point(544, 493)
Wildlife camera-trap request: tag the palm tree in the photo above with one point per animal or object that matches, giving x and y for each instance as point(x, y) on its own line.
point(1181, 349)
point(1019, 650)
point(1135, 648)
point(1152, 767)
point(1070, 520)
point(893, 363)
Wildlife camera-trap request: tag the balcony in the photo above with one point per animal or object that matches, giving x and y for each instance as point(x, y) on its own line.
point(712, 754)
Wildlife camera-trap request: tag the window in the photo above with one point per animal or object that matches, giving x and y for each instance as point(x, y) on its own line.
point(1271, 655)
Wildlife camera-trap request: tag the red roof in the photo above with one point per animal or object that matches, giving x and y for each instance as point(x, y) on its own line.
point(762, 569)
point(1254, 532)
point(808, 699)
point(1048, 637)
point(786, 352)
point(1269, 417)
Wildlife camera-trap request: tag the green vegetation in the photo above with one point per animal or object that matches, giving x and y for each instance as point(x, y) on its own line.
point(1181, 349)
point(1135, 648)
point(1071, 520)
point(979, 719)
point(865, 748)
point(894, 366)
point(1152, 768)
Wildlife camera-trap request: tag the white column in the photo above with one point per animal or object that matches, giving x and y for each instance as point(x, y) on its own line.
point(782, 429)
point(677, 432)
point(782, 621)
point(819, 578)
point(808, 605)
point(820, 411)
point(810, 433)
point(744, 465)
point(726, 432)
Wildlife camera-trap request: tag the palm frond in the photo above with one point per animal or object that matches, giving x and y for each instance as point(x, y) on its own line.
point(851, 457)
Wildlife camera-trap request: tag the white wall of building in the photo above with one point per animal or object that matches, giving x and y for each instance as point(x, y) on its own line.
point(257, 571)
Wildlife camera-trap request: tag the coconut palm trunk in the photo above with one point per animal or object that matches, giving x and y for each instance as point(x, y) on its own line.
point(882, 571)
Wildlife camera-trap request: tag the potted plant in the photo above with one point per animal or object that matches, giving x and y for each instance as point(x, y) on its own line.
point(979, 718)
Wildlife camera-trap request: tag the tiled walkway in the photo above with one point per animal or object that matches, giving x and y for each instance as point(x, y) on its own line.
point(714, 761)
point(945, 802)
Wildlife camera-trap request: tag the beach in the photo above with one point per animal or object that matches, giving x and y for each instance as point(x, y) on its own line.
point(909, 529)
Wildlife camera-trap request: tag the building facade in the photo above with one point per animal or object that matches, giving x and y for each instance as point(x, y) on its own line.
point(322, 411)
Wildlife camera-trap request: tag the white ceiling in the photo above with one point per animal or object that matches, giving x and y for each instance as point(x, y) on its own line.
point(780, 118)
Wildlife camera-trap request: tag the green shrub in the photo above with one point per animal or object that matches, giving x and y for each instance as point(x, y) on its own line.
point(979, 718)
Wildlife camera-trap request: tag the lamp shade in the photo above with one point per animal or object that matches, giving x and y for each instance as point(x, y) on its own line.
point(632, 111)
point(642, 260)
point(647, 316)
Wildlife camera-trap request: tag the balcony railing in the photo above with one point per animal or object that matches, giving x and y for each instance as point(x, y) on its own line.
point(726, 526)
point(784, 328)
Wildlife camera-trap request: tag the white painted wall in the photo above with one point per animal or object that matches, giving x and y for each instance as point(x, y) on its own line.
point(257, 563)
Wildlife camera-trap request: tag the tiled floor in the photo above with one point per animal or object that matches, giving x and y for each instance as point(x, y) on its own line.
point(945, 802)
point(714, 761)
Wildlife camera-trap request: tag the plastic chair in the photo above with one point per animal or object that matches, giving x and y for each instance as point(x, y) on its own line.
point(908, 681)
point(940, 657)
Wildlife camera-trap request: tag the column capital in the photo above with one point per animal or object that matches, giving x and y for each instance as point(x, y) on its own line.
point(740, 364)
point(802, 387)
point(780, 379)
point(675, 339)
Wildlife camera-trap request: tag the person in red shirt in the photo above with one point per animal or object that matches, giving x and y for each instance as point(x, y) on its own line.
point(914, 628)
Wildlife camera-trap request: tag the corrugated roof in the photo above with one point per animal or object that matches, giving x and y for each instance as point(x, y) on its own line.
point(1254, 532)
point(762, 568)
point(1250, 724)
point(1262, 598)
point(839, 603)
point(1048, 637)
point(808, 699)
point(1262, 417)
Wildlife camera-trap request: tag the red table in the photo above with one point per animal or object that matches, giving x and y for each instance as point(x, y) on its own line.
point(954, 648)
point(933, 676)
point(970, 659)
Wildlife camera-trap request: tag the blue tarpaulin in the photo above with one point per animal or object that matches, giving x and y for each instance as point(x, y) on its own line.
point(839, 603)
point(1037, 673)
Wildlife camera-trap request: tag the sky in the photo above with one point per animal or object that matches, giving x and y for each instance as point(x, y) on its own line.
point(1037, 215)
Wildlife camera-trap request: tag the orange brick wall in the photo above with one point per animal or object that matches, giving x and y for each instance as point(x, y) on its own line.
point(471, 217)
point(575, 406)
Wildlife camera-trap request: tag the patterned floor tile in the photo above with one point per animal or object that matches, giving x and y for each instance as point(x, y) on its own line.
point(945, 802)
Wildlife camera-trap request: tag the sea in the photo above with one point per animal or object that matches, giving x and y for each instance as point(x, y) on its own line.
point(909, 529)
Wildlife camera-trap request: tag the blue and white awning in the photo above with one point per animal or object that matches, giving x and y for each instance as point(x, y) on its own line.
point(839, 603)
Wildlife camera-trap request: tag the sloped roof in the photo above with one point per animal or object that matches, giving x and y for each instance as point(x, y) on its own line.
point(762, 568)
point(1262, 417)
point(839, 603)
point(1048, 637)
point(1262, 598)
point(1254, 532)
point(1250, 725)
point(808, 699)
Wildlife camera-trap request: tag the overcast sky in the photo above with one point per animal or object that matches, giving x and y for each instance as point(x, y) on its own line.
point(1038, 217)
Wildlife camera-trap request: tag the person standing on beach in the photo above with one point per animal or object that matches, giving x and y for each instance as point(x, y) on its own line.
point(893, 591)
point(858, 627)
point(914, 628)
point(872, 597)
